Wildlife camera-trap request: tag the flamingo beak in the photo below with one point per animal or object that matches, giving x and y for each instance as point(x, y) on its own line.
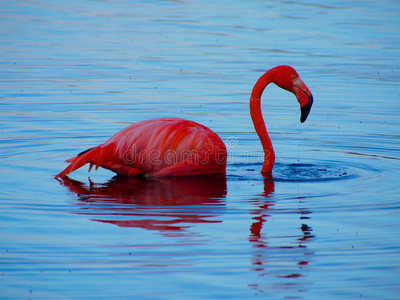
point(304, 97)
point(305, 110)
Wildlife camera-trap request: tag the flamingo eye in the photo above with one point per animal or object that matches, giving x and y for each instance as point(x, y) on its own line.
point(293, 76)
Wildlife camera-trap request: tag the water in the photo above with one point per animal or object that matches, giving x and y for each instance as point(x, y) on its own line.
point(324, 226)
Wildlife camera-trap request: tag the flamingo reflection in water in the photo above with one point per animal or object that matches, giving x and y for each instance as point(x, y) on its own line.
point(167, 205)
point(262, 259)
point(172, 205)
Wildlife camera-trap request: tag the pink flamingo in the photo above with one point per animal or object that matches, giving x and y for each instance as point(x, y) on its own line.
point(178, 147)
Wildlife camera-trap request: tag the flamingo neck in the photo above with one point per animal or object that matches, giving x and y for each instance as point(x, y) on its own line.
point(258, 121)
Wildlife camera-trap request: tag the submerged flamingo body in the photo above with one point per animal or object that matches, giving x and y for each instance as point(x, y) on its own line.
point(178, 147)
point(159, 147)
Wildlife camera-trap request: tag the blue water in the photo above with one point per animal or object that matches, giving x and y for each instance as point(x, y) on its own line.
point(325, 225)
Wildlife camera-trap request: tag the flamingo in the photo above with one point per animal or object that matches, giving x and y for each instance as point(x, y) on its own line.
point(179, 147)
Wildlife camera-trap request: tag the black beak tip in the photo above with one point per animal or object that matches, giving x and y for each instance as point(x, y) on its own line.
point(305, 110)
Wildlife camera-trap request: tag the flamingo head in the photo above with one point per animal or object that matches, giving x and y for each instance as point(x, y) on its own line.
point(287, 78)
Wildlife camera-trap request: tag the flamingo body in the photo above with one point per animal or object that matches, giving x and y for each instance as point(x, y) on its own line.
point(158, 147)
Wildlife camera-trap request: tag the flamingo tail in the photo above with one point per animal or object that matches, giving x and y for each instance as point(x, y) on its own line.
point(95, 156)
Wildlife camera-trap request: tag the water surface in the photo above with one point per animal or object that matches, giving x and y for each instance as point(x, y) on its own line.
point(325, 225)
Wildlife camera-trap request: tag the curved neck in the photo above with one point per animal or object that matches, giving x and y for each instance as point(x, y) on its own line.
point(258, 121)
